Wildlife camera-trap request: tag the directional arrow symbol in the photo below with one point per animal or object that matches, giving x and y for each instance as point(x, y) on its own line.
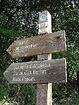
point(37, 71)
point(43, 44)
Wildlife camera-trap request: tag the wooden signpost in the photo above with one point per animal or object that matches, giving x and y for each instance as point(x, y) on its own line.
point(44, 71)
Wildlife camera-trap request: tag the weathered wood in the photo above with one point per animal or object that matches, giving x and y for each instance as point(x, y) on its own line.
point(44, 24)
point(44, 94)
point(37, 71)
point(43, 44)
point(44, 91)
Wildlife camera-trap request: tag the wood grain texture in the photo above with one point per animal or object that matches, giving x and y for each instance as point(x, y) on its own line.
point(37, 72)
point(44, 91)
point(44, 94)
point(43, 44)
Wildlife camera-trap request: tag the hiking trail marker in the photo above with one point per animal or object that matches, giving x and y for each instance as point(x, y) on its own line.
point(44, 24)
point(46, 70)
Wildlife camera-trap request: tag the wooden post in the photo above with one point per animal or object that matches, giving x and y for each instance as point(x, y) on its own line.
point(44, 91)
